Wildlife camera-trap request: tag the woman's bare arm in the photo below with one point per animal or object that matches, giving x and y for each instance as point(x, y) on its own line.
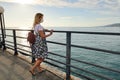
point(43, 35)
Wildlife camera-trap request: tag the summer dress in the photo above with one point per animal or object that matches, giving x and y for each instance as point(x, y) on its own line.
point(39, 48)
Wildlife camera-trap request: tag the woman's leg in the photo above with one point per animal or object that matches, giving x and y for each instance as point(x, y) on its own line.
point(38, 67)
point(35, 65)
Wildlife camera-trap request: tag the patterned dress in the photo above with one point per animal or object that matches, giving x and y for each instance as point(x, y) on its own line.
point(39, 48)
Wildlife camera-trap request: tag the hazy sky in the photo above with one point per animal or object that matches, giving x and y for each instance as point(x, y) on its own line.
point(57, 13)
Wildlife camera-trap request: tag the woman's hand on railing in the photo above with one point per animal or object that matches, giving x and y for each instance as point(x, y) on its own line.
point(51, 31)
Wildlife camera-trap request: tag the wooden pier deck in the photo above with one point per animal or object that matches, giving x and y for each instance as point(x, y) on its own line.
point(14, 68)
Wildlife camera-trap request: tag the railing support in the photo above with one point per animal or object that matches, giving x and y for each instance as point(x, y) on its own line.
point(3, 33)
point(68, 55)
point(15, 43)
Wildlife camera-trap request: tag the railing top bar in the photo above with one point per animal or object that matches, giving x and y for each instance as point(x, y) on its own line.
point(79, 32)
point(88, 32)
point(19, 29)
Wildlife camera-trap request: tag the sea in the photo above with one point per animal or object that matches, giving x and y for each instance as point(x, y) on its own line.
point(108, 42)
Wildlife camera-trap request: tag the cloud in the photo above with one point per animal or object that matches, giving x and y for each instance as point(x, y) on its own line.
point(7, 0)
point(66, 18)
point(98, 5)
point(87, 4)
point(108, 18)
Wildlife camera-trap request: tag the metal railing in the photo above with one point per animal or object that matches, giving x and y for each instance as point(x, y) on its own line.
point(68, 53)
point(2, 26)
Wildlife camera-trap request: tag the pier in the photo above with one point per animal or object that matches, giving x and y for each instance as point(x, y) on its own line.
point(14, 67)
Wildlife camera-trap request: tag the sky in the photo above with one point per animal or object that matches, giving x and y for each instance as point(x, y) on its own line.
point(61, 13)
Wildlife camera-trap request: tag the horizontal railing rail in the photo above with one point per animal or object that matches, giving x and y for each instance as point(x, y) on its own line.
point(86, 62)
point(68, 58)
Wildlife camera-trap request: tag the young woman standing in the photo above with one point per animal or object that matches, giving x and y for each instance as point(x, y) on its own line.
point(39, 48)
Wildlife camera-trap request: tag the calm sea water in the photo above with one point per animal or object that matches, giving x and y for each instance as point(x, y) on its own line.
point(90, 40)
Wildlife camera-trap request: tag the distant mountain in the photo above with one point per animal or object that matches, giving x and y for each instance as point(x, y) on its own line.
point(113, 25)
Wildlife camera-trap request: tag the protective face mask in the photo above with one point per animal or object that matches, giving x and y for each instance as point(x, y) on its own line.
point(42, 20)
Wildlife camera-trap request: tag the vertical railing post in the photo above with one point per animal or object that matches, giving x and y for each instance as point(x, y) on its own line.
point(68, 55)
point(15, 43)
point(2, 30)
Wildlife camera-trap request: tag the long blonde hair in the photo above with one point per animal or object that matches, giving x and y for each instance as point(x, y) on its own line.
point(38, 18)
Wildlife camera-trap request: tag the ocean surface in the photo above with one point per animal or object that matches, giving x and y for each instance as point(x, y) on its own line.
point(108, 42)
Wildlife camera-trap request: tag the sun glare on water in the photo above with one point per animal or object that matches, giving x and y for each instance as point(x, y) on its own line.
point(24, 1)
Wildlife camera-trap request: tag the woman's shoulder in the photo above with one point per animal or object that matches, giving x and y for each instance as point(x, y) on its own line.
point(38, 25)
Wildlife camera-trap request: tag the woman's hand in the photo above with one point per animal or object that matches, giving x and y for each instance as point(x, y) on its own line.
point(51, 32)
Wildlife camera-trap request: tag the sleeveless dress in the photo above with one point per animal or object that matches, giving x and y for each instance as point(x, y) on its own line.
point(39, 48)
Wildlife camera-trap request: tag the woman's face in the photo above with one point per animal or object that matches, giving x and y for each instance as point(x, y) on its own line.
point(41, 20)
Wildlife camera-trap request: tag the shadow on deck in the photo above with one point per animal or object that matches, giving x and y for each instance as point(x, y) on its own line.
point(14, 68)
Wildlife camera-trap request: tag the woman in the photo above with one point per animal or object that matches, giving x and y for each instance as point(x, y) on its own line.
point(39, 48)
